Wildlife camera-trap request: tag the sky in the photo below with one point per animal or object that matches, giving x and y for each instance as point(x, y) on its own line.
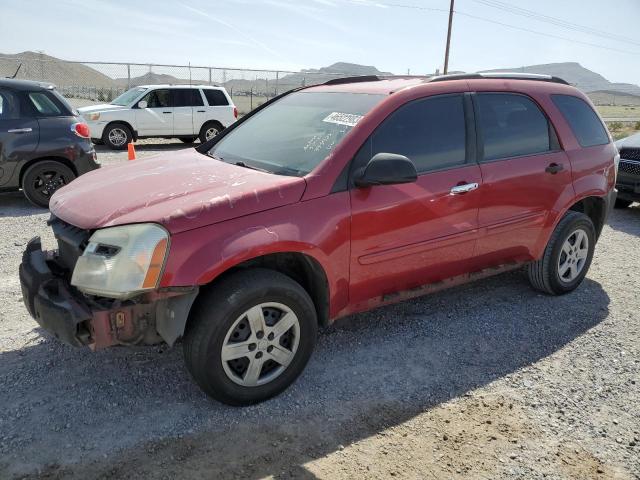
point(399, 36)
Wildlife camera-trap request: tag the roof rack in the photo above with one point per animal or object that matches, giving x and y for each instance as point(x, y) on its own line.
point(500, 75)
point(356, 79)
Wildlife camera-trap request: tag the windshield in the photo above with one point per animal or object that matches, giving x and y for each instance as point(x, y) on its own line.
point(129, 96)
point(293, 135)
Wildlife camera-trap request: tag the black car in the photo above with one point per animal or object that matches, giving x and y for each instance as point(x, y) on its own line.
point(44, 143)
point(628, 183)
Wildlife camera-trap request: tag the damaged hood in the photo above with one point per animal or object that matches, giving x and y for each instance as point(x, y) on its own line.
point(180, 190)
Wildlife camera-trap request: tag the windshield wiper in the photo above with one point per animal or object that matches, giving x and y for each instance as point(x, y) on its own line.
point(242, 164)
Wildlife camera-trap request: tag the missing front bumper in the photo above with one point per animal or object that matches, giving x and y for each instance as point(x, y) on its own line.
point(74, 319)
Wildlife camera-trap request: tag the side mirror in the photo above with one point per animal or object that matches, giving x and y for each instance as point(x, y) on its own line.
point(142, 104)
point(386, 169)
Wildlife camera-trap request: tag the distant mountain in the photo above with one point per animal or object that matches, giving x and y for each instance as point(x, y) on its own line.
point(151, 78)
point(574, 73)
point(336, 70)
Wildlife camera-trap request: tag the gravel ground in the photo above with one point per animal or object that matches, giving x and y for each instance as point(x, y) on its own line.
point(489, 380)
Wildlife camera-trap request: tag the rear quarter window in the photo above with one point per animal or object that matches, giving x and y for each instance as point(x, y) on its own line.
point(215, 98)
point(9, 105)
point(45, 104)
point(584, 122)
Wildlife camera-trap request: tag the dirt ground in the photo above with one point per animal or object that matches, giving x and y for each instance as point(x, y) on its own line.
point(489, 380)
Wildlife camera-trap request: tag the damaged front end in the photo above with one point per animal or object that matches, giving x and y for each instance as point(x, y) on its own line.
point(78, 318)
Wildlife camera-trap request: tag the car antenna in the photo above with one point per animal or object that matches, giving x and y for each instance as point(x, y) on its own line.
point(16, 72)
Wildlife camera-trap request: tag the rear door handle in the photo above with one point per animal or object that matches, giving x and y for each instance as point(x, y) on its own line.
point(20, 130)
point(201, 111)
point(554, 168)
point(460, 189)
point(166, 112)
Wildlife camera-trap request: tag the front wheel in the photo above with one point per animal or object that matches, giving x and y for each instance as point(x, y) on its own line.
point(567, 257)
point(250, 336)
point(116, 136)
point(42, 179)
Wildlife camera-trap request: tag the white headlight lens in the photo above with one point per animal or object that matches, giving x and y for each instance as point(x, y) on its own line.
point(120, 262)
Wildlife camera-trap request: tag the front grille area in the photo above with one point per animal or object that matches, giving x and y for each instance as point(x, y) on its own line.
point(71, 242)
point(630, 153)
point(629, 167)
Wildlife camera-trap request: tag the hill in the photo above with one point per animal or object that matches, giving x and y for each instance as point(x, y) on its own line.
point(574, 73)
point(38, 66)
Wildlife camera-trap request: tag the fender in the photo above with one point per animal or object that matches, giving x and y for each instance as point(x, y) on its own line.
point(199, 256)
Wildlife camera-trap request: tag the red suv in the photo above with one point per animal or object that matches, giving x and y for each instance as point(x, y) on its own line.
point(326, 201)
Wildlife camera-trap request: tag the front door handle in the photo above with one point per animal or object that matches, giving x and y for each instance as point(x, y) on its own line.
point(166, 112)
point(201, 111)
point(464, 188)
point(554, 168)
point(20, 130)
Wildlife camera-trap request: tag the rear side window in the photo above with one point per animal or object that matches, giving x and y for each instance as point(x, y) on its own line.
point(430, 132)
point(584, 122)
point(9, 105)
point(215, 98)
point(44, 104)
point(187, 97)
point(511, 126)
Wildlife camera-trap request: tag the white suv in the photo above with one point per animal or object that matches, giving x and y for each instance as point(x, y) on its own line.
point(186, 112)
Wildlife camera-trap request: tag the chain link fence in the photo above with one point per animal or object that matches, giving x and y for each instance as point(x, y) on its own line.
point(85, 83)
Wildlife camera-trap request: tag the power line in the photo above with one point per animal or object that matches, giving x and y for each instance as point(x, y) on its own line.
point(556, 21)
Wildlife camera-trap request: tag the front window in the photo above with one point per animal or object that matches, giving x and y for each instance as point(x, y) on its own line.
point(127, 97)
point(292, 136)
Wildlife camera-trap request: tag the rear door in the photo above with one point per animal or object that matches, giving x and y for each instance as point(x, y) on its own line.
point(157, 118)
point(217, 108)
point(412, 234)
point(524, 175)
point(19, 133)
point(185, 102)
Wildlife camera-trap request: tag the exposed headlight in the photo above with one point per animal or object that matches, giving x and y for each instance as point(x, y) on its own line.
point(93, 116)
point(120, 262)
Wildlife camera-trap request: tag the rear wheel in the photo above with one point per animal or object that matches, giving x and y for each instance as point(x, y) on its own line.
point(42, 179)
point(209, 130)
point(116, 136)
point(620, 203)
point(567, 257)
point(250, 336)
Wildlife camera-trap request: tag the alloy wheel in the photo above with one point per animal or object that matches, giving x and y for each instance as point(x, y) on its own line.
point(573, 256)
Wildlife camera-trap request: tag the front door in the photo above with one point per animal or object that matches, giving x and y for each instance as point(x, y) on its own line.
point(157, 118)
point(19, 134)
point(404, 236)
point(524, 173)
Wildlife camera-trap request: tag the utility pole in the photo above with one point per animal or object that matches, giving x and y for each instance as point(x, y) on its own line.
point(446, 53)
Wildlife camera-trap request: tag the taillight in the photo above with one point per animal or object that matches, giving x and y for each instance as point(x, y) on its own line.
point(81, 130)
point(235, 112)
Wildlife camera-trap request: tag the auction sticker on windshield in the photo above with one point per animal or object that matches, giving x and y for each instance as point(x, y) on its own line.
point(349, 119)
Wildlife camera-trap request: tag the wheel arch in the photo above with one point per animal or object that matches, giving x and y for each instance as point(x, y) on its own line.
point(209, 122)
point(300, 267)
point(134, 133)
point(595, 208)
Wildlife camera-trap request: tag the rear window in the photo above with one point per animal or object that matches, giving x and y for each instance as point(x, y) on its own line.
point(44, 104)
point(584, 122)
point(215, 98)
point(512, 125)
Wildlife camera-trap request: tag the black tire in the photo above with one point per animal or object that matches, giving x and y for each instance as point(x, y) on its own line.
point(97, 141)
point(120, 131)
point(188, 140)
point(43, 178)
point(209, 125)
point(213, 317)
point(544, 274)
point(621, 203)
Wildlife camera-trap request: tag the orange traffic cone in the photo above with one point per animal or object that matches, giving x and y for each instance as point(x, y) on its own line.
point(131, 150)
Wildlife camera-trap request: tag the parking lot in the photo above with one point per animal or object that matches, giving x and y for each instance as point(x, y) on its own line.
point(489, 380)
